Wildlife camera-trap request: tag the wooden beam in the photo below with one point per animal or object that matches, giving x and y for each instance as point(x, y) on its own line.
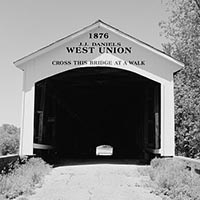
point(42, 146)
point(154, 151)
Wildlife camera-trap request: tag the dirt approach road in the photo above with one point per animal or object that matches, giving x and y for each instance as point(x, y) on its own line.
point(94, 182)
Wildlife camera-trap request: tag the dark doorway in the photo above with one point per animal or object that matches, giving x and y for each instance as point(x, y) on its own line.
point(80, 109)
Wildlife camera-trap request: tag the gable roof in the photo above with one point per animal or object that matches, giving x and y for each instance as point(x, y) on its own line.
point(96, 24)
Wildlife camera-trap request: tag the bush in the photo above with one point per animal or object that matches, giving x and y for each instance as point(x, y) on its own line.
point(174, 179)
point(9, 139)
point(23, 177)
point(9, 144)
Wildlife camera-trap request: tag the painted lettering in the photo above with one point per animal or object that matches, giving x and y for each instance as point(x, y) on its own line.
point(80, 50)
point(137, 62)
point(61, 62)
point(117, 50)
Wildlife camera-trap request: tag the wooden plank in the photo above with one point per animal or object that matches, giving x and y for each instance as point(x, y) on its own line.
point(157, 116)
point(154, 151)
point(157, 131)
point(42, 146)
point(41, 113)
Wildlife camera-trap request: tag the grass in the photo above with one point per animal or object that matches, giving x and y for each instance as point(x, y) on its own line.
point(172, 179)
point(22, 177)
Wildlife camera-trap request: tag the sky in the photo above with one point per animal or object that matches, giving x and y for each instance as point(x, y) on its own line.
point(28, 25)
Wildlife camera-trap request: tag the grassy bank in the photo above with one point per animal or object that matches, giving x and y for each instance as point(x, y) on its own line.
point(173, 179)
point(22, 177)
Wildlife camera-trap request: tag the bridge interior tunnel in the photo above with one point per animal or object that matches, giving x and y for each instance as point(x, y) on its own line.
point(80, 109)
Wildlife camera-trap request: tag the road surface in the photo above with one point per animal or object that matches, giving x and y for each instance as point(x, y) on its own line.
point(94, 182)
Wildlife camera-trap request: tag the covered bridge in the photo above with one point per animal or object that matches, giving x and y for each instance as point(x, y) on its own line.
point(94, 87)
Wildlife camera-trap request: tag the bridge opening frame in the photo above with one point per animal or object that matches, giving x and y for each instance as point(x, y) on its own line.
point(96, 106)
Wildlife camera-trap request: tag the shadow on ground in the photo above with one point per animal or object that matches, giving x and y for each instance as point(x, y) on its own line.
point(96, 161)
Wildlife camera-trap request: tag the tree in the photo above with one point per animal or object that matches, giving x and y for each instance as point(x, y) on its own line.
point(9, 139)
point(182, 30)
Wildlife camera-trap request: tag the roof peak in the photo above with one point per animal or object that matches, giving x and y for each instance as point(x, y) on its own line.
point(99, 21)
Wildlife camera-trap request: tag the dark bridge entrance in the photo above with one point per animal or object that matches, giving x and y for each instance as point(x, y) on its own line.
point(80, 109)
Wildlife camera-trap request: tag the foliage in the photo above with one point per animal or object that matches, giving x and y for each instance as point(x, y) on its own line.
point(22, 177)
point(182, 29)
point(172, 178)
point(9, 139)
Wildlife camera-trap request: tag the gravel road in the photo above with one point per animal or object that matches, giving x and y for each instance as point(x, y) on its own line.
point(94, 182)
